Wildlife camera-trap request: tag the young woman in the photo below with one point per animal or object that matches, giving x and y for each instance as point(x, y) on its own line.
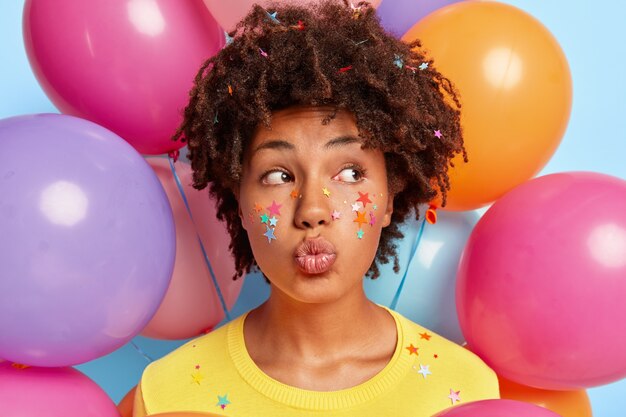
point(318, 134)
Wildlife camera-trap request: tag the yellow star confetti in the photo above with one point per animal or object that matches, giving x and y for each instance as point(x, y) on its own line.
point(197, 377)
point(326, 192)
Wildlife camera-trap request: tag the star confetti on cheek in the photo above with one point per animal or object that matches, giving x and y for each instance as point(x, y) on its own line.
point(335, 215)
point(274, 209)
point(326, 192)
point(294, 193)
point(258, 208)
point(454, 395)
point(424, 370)
point(375, 206)
point(264, 218)
point(222, 401)
point(355, 207)
point(412, 350)
point(360, 234)
point(364, 199)
point(372, 218)
point(425, 336)
point(269, 234)
point(273, 221)
point(438, 134)
point(360, 218)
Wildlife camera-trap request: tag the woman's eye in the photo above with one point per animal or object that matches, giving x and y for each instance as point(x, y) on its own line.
point(349, 175)
point(276, 177)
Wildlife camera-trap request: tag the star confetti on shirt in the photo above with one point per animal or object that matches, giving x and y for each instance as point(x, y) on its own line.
point(360, 234)
point(424, 371)
point(197, 377)
point(425, 336)
point(273, 221)
point(438, 134)
point(360, 218)
point(454, 395)
point(412, 349)
point(364, 199)
point(326, 192)
point(222, 401)
point(269, 233)
point(335, 215)
point(274, 209)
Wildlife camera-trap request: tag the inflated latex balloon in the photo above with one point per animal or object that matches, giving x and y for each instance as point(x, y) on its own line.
point(192, 306)
point(39, 392)
point(541, 283)
point(87, 243)
point(126, 64)
point(564, 403)
point(497, 408)
point(515, 90)
point(229, 13)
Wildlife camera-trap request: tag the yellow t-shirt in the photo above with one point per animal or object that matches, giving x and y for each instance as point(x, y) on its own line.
point(214, 373)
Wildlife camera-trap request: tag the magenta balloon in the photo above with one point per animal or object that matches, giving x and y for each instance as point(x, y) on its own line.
point(398, 16)
point(48, 392)
point(87, 244)
point(497, 408)
point(542, 280)
point(125, 64)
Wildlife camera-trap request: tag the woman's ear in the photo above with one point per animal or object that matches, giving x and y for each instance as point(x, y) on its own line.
point(388, 210)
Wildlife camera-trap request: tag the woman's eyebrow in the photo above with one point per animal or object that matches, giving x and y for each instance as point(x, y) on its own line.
point(283, 144)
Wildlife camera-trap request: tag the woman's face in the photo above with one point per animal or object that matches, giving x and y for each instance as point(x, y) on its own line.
point(313, 203)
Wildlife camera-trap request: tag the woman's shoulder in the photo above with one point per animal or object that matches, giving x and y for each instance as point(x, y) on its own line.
point(447, 357)
point(206, 352)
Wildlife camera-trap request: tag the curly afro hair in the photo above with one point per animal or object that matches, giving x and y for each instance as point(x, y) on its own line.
point(327, 54)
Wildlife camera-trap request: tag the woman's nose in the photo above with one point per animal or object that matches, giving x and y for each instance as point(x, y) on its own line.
point(313, 208)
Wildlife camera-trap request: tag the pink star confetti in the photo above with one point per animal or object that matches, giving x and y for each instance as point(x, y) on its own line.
point(263, 53)
point(454, 396)
point(274, 209)
point(335, 215)
point(372, 218)
point(438, 134)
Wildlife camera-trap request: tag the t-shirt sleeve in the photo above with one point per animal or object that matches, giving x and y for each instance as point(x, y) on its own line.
point(139, 408)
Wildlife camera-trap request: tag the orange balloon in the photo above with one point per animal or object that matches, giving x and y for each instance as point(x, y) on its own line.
point(125, 407)
point(515, 90)
point(564, 403)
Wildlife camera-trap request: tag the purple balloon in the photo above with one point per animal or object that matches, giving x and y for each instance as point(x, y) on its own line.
point(398, 16)
point(497, 408)
point(87, 243)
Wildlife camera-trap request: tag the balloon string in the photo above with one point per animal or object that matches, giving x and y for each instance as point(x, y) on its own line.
point(141, 352)
point(206, 258)
point(416, 243)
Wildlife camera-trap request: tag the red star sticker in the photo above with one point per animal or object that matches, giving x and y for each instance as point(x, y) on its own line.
point(360, 218)
point(294, 193)
point(274, 209)
point(425, 336)
point(412, 349)
point(364, 198)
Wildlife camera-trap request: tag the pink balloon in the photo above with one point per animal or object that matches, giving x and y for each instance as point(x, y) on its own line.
point(191, 305)
point(542, 280)
point(51, 392)
point(126, 64)
point(497, 408)
point(229, 13)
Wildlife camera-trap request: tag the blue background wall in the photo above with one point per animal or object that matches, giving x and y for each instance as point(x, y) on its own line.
point(592, 34)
